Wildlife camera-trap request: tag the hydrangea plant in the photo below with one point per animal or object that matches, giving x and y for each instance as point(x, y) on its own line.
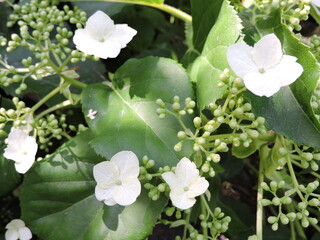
point(156, 119)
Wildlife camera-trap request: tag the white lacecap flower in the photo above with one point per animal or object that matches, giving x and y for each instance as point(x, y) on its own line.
point(263, 67)
point(117, 179)
point(101, 37)
point(185, 184)
point(22, 149)
point(16, 229)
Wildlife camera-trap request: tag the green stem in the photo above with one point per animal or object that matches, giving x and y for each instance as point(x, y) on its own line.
point(293, 177)
point(204, 211)
point(316, 227)
point(185, 226)
point(161, 6)
point(53, 108)
point(73, 82)
point(44, 100)
point(259, 214)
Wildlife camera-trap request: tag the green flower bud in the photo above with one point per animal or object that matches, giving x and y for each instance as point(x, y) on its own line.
point(275, 226)
point(272, 219)
point(197, 122)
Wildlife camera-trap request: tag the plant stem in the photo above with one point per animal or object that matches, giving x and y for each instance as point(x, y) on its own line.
point(259, 214)
point(43, 100)
point(53, 108)
point(73, 82)
point(204, 211)
point(163, 7)
point(293, 177)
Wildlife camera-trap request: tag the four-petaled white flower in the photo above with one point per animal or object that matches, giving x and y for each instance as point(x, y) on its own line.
point(22, 149)
point(16, 229)
point(117, 179)
point(263, 68)
point(91, 114)
point(185, 184)
point(101, 37)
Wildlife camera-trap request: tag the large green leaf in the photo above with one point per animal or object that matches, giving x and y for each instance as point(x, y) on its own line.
point(58, 202)
point(289, 111)
point(204, 15)
point(126, 116)
point(207, 67)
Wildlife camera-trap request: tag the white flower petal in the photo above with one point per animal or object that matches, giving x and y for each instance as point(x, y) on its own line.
point(88, 45)
point(11, 234)
point(198, 187)
point(99, 25)
point(127, 193)
point(316, 2)
point(103, 194)
point(106, 174)
point(15, 224)
point(186, 171)
point(110, 202)
point(25, 233)
point(287, 71)
point(267, 52)
point(128, 164)
point(239, 57)
point(171, 179)
point(182, 201)
point(122, 34)
point(262, 84)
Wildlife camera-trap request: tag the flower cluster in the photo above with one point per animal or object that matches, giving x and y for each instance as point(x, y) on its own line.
point(264, 67)
point(118, 183)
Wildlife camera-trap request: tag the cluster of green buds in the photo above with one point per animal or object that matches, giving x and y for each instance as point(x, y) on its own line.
point(303, 157)
point(314, 43)
point(17, 115)
point(217, 224)
point(49, 128)
point(285, 213)
point(292, 10)
point(315, 98)
point(176, 109)
point(44, 31)
point(155, 189)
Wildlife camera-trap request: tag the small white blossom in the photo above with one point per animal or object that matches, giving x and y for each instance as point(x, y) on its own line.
point(16, 229)
point(185, 184)
point(101, 37)
point(117, 179)
point(92, 114)
point(263, 68)
point(22, 149)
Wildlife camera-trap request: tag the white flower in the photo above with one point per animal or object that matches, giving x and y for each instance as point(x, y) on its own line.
point(17, 230)
point(22, 149)
point(263, 68)
point(185, 184)
point(117, 179)
point(101, 37)
point(91, 114)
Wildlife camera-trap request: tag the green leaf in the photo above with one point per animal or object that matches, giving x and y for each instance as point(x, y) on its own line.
point(126, 116)
point(58, 202)
point(9, 177)
point(204, 15)
point(208, 67)
point(289, 111)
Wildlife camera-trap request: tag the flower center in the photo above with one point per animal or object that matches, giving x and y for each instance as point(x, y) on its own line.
point(101, 40)
point(118, 182)
point(261, 70)
point(185, 189)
